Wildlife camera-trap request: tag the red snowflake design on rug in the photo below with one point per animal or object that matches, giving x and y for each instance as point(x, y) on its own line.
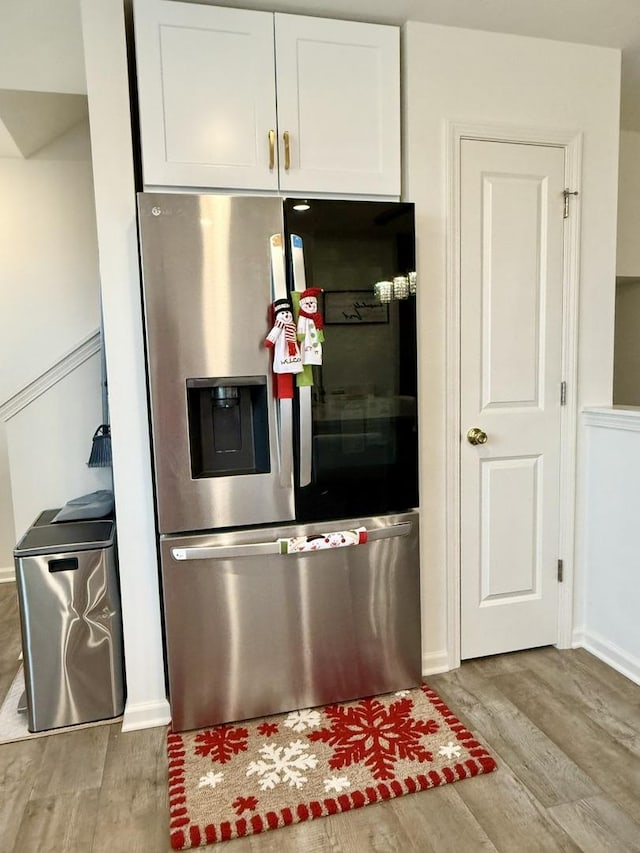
point(268, 729)
point(222, 743)
point(241, 804)
point(375, 735)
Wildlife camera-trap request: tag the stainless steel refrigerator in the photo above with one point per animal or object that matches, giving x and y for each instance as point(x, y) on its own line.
point(288, 527)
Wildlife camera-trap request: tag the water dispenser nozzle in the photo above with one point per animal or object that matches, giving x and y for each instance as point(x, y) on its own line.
point(225, 396)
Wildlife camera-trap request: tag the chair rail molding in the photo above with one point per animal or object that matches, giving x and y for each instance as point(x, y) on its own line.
point(612, 417)
point(84, 350)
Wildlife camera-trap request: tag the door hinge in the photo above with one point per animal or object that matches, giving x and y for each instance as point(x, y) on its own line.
point(560, 571)
point(566, 194)
point(563, 393)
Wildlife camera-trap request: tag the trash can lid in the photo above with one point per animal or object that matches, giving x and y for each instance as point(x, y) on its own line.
point(69, 536)
point(46, 517)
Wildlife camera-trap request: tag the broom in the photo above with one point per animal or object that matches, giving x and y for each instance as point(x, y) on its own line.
point(100, 456)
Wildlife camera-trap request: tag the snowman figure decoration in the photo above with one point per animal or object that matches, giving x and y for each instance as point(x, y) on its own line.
point(282, 339)
point(310, 325)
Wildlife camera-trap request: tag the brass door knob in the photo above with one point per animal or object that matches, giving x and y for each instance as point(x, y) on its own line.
point(476, 436)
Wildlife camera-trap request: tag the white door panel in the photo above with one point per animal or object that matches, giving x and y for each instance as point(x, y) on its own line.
point(510, 532)
point(511, 355)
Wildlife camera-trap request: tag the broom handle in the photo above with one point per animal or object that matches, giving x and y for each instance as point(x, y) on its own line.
point(103, 372)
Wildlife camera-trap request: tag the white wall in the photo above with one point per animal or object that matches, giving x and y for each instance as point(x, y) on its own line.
point(49, 296)
point(628, 262)
point(49, 251)
point(49, 443)
point(467, 76)
point(48, 286)
point(41, 46)
point(611, 595)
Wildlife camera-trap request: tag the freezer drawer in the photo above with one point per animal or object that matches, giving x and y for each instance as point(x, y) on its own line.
point(252, 632)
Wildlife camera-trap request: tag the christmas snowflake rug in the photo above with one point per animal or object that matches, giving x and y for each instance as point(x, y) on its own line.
point(243, 778)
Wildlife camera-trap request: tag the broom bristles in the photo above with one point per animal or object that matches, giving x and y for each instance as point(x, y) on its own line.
point(101, 448)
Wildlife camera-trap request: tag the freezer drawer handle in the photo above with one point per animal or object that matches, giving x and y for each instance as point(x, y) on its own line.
point(323, 541)
point(223, 552)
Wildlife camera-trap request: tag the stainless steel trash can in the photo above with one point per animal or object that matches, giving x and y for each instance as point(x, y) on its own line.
point(71, 622)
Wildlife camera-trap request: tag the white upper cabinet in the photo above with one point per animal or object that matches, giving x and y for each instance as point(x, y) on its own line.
point(207, 82)
point(338, 90)
point(207, 95)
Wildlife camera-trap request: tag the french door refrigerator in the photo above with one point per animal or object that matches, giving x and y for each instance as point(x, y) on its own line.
point(288, 524)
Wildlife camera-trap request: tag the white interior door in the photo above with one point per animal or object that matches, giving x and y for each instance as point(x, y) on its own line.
point(511, 267)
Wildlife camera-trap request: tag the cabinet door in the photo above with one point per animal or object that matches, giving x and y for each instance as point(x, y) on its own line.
point(207, 95)
point(339, 100)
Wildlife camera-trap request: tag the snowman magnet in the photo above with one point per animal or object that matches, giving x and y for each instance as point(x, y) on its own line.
point(282, 339)
point(310, 326)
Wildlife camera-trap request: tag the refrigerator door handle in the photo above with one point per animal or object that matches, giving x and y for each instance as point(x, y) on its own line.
point(285, 412)
point(285, 442)
point(306, 423)
point(224, 552)
point(304, 391)
point(403, 528)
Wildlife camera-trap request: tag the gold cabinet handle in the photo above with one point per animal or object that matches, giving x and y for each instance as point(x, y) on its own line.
point(272, 149)
point(287, 150)
point(476, 436)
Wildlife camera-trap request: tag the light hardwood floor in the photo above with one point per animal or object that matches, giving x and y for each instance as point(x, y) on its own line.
point(563, 727)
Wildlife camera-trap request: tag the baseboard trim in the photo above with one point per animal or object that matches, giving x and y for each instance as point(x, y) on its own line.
point(435, 662)
point(610, 653)
point(577, 638)
point(145, 715)
point(8, 575)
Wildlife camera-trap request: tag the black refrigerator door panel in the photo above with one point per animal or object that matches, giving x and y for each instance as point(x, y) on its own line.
point(364, 436)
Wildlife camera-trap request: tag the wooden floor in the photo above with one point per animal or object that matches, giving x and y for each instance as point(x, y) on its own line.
point(563, 727)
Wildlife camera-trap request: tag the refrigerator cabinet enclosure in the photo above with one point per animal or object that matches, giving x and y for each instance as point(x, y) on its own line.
point(260, 633)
